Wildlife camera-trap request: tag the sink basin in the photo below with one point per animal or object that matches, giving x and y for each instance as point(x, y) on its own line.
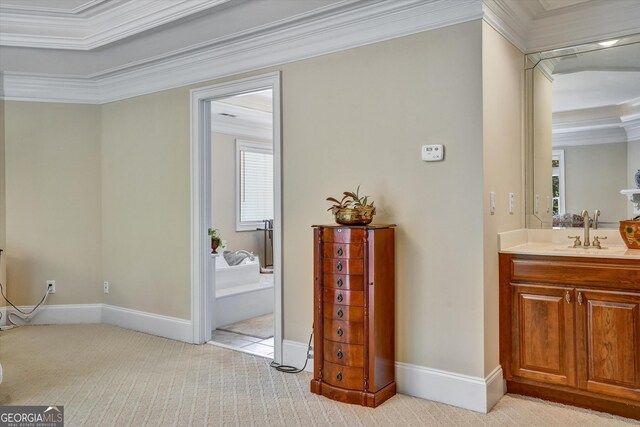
point(591, 251)
point(582, 250)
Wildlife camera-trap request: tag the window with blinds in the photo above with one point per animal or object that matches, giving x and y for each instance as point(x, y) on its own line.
point(254, 189)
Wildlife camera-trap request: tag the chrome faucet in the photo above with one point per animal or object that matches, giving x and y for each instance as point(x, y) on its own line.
point(247, 253)
point(585, 218)
point(596, 215)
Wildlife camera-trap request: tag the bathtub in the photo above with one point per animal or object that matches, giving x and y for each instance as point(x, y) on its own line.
point(241, 292)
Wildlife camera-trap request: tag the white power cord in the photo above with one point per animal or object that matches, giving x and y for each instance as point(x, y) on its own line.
point(25, 316)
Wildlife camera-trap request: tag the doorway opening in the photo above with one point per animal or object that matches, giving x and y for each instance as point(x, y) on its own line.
point(242, 184)
point(236, 189)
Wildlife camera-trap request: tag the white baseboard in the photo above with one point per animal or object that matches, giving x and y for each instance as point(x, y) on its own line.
point(463, 391)
point(155, 324)
point(3, 316)
point(294, 354)
point(60, 314)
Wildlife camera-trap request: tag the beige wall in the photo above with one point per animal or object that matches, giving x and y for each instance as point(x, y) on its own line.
point(146, 203)
point(52, 154)
point(594, 176)
point(502, 87)
point(3, 271)
point(542, 105)
point(223, 201)
point(353, 117)
point(360, 117)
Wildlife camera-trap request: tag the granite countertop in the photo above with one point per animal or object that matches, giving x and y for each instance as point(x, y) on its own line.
point(557, 243)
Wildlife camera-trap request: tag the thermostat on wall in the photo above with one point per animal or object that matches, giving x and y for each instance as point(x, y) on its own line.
point(432, 153)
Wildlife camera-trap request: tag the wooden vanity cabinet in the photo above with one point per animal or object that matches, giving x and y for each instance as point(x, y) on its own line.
point(570, 330)
point(354, 356)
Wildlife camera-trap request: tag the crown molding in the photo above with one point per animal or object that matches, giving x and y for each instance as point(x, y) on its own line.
point(76, 31)
point(590, 137)
point(581, 23)
point(43, 10)
point(333, 32)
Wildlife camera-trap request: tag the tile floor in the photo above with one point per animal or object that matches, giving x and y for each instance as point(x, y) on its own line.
point(254, 345)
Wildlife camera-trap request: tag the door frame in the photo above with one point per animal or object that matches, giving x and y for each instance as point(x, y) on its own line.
point(202, 301)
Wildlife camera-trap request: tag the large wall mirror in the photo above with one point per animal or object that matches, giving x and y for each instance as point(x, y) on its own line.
point(582, 132)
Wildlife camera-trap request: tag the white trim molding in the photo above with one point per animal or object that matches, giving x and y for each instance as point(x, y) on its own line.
point(463, 391)
point(202, 274)
point(294, 354)
point(91, 25)
point(60, 314)
point(150, 323)
point(334, 31)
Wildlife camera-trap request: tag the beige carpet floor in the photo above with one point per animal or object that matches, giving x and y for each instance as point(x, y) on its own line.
point(104, 375)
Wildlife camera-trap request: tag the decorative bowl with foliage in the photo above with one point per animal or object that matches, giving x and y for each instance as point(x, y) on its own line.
point(630, 232)
point(352, 209)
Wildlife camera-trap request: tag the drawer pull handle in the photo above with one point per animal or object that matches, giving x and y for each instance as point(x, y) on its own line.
point(339, 376)
point(340, 313)
point(580, 298)
point(340, 252)
point(340, 332)
point(340, 282)
point(567, 297)
point(339, 354)
point(339, 266)
point(340, 297)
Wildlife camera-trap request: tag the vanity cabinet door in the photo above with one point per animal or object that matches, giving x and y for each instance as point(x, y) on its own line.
point(608, 340)
point(543, 334)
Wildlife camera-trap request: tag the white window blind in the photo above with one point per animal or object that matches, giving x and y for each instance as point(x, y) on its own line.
point(255, 184)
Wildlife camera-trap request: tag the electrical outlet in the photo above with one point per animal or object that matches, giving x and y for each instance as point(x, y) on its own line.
point(51, 286)
point(106, 287)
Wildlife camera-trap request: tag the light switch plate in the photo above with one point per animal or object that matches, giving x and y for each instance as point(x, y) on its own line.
point(492, 203)
point(433, 153)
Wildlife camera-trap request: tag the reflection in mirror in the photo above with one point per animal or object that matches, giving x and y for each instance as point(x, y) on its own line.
point(583, 133)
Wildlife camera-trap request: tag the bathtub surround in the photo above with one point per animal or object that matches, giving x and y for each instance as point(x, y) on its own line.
point(241, 292)
point(428, 87)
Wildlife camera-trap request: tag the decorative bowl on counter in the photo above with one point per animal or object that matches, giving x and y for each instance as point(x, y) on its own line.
point(630, 232)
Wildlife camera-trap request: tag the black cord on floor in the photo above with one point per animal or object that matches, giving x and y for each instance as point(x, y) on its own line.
point(292, 369)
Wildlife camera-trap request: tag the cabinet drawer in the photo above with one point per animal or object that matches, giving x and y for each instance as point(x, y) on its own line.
point(342, 235)
point(338, 296)
point(344, 354)
point(343, 266)
point(343, 376)
point(344, 312)
point(353, 282)
point(343, 250)
point(341, 331)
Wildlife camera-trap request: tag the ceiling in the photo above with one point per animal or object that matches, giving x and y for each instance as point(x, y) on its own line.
point(100, 50)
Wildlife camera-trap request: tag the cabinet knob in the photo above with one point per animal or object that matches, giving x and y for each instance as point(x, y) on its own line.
point(339, 266)
point(339, 354)
point(339, 376)
point(567, 297)
point(340, 282)
point(340, 332)
point(340, 251)
point(580, 298)
point(340, 313)
point(340, 297)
